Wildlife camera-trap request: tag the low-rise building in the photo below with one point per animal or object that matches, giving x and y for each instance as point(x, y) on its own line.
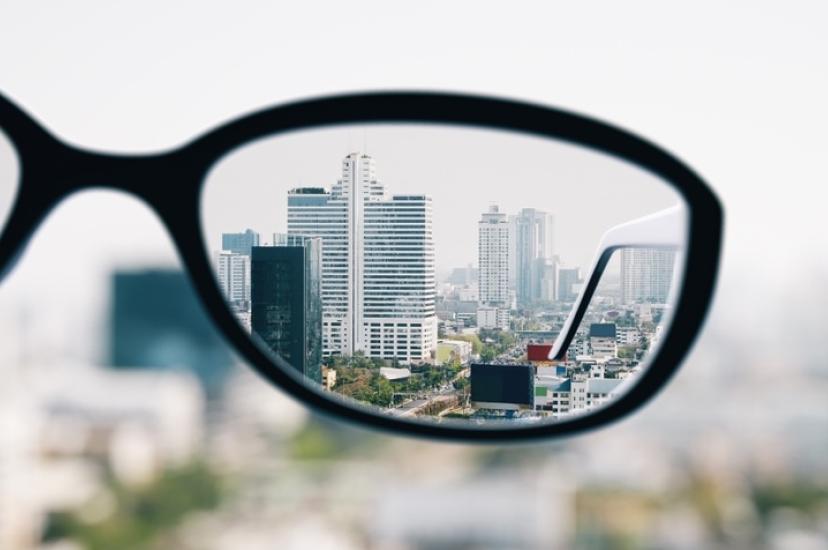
point(602, 340)
point(453, 351)
point(491, 317)
point(627, 336)
point(562, 396)
point(395, 374)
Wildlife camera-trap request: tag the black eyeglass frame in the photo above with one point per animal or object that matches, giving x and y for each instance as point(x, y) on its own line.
point(171, 184)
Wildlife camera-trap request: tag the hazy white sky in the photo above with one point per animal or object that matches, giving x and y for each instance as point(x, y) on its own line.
point(463, 170)
point(736, 89)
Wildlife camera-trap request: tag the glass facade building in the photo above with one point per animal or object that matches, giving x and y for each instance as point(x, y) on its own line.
point(286, 307)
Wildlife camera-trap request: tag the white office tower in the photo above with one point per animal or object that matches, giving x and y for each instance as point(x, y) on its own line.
point(378, 281)
point(532, 246)
point(234, 279)
point(646, 275)
point(493, 258)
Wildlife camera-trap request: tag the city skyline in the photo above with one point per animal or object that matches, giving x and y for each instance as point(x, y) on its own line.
point(376, 285)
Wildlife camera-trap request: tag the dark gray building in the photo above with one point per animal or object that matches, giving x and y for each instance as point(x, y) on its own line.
point(286, 304)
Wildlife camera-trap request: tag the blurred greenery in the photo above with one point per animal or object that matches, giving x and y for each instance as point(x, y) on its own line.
point(323, 439)
point(142, 514)
point(800, 495)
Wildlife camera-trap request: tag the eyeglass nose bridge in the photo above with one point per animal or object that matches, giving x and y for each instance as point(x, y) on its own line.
point(57, 171)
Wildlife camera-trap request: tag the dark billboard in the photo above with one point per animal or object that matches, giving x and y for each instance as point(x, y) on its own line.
point(510, 386)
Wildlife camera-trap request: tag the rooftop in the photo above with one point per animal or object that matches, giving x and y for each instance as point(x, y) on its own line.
point(602, 330)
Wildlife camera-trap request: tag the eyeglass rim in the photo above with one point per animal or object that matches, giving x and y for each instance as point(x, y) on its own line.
point(187, 167)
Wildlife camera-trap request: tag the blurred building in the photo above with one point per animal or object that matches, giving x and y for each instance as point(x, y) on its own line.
point(286, 302)
point(469, 513)
point(66, 429)
point(156, 321)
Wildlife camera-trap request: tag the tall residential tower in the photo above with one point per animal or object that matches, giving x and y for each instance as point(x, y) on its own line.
point(378, 281)
point(493, 258)
point(533, 259)
point(646, 274)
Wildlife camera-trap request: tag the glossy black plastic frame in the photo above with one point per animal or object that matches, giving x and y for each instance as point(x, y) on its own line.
point(171, 184)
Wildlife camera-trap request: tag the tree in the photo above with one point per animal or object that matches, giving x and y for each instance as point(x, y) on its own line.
point(488, 353)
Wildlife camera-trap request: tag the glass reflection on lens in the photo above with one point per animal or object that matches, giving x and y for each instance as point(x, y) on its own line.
point(430, 278)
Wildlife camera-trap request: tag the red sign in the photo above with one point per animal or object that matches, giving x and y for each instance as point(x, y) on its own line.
point(538, 352)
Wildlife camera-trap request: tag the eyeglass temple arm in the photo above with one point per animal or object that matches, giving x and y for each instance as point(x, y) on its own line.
point(663, 229)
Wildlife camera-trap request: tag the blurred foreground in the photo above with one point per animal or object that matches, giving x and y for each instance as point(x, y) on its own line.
point(154, 455)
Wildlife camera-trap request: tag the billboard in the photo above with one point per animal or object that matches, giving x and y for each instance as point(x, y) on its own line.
point(504, 387)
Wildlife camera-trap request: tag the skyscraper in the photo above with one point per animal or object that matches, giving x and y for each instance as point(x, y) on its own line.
point(240, 243)
point(286, 308)
point(378, 281)
point(493, 258)
point(646, 274)
point(532, 248)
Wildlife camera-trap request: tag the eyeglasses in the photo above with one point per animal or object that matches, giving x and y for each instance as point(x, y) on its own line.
point(433, 264)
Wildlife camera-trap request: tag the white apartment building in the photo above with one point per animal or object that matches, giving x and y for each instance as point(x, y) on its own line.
point(646, 275)
point(493, 317)
point(627, 336)
point(378, 280)
point(563, 396)
point(494, 231)
point(234, 278)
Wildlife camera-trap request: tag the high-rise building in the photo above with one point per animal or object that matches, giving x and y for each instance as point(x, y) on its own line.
point(493, 258)
point(646, 274)
point(240, 243)
point(234, 279)
point(286, 306)
point(378, 278)
point(532, 247)
point(548, 277)
point(568, 278)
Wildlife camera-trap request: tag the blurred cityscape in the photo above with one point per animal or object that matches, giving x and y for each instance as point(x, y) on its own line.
point(151, 457)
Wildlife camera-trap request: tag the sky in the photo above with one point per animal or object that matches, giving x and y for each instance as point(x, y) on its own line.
point(462, 170)
point(734, 89)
